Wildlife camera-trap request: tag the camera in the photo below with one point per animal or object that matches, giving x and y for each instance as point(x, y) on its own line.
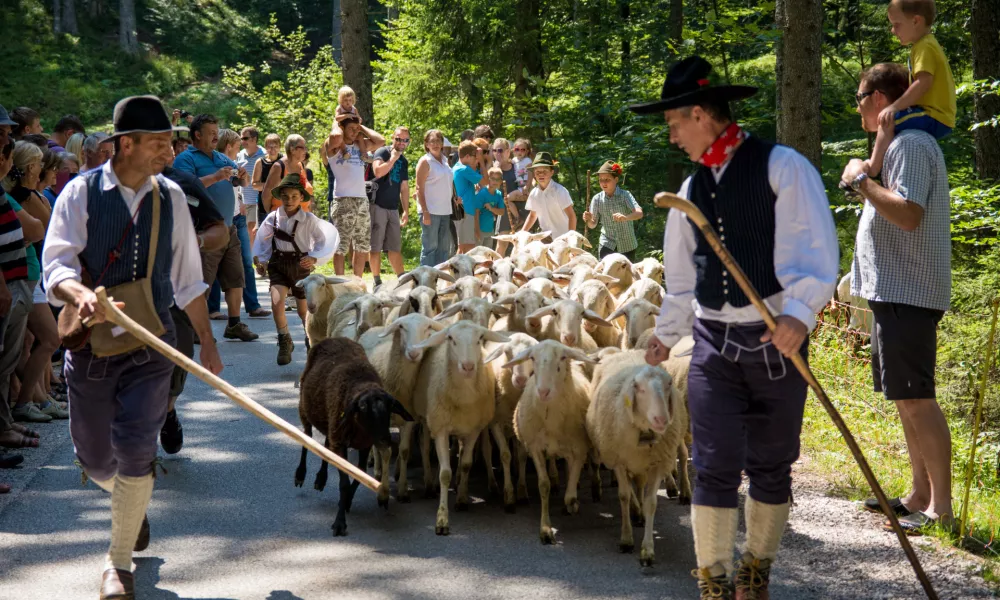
point(235, 181)
point(185, 114)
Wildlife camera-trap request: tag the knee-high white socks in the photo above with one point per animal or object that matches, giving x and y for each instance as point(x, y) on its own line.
point(765, 526)
point(130, 498)
point(714, 537)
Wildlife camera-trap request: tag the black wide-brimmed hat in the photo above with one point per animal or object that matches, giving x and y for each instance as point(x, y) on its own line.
point(687, 84)
point(142, 114)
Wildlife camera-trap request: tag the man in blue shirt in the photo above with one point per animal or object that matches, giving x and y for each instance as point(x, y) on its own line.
point(469, 172)
point(219, 175)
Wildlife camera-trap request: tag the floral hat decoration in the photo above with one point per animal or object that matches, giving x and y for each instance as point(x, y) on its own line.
point(611, 168)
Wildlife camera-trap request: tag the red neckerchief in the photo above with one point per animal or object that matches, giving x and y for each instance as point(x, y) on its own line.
point(723, 147)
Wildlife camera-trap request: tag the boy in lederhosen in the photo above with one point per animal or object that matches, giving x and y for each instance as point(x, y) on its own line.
point(290, 243)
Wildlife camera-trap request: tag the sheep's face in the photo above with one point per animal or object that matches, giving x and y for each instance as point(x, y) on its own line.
point(650, 399)
point(523, 261)
point(372, 412)
point(499, 290)
point(423, 300)
point(464, 343)
point(568, 317)
point(648, 290)
point(462, 265)
point(596, 298)
point(521, 372)
point(652, 269)
point(370, 313)
point(467, 287)
point(551, 366)
point(425, 276)
point(502, 270)
point(575, 239)
point(409, 332)
point(527, 301)
point(639, 315)
point(317, 291)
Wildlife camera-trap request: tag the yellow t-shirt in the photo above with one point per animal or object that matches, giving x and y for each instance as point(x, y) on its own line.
point(927, 56)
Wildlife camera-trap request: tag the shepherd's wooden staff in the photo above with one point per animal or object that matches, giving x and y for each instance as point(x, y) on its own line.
point(510, 213)
point(114, 315)
point(668, 200)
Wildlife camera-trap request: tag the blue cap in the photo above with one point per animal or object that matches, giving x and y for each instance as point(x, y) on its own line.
point(5, 118)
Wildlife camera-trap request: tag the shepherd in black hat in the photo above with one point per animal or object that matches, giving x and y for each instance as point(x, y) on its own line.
point(125, 227)
point(769, 207)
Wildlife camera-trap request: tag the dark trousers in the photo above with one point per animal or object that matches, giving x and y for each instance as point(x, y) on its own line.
point(746, 403)
point(117, 406)
point(604, 251)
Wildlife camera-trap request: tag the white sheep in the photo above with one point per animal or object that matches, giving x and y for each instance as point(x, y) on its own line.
point(368, 311)
point(524, 302)
point(455, 394)
point(320, 292)
point(584, 259)
point(424, 275)
point(647, 289)
point(562, 251)
point(477, 310)
point(565, 324)
point(500, 271)
point(581, 274)
point(484, 253)
point(574, 239)
point(540, 273)
point(617, 266)
point(397, 359)
point(521, 238)
point(501, 289)
point(467, 286)
point(421, 299)
point(464, 265)
point(640, 318)
point(594, 295)
point(546, 287)
point(649, 268)
point(550, 419)
point(636, 422)
point(510, 384)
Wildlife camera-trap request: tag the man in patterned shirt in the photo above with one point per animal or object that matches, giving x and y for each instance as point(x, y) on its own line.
point(617, 209)
point(902, 266)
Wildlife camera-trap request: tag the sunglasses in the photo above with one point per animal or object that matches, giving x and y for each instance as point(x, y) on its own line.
point(245, 138)
point(498, 151)
point(859, 97)
point(403, 140)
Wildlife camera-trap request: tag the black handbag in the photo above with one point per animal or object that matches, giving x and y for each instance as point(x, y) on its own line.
point(457, 210)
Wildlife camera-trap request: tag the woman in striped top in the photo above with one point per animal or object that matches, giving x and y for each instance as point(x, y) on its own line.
point(616, 209)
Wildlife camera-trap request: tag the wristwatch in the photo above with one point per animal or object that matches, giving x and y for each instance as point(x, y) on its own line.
point(856, 182)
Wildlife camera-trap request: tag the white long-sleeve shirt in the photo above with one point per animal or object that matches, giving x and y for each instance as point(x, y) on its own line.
point(316, 237)
point(67, 236)
point(806, 253)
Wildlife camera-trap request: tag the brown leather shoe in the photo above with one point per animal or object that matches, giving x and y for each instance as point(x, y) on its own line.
point(117, 584)
point(142, 542)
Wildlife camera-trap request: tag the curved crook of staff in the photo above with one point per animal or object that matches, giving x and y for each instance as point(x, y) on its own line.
point(668, 200)
point(114, 315)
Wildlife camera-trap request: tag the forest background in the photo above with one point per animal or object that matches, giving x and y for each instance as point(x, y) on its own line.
point(561, 72)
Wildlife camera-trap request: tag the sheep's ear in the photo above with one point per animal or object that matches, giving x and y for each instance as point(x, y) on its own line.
point(561, 278)
point(332, 280)
point(400, 410)
point(558, 291)
point(443, 275)
point(499, 310)
point(541, 235)
point(445, 265)
point(495, 336)
point(350, 306)
point(437, 304)
point(606, 279)
point(518, 274)
point(404, 279)
point(504, 237)
point(619, 312)
point(482, 271)
point(541, 312)
point(391, 302)
point(448, 290)
point(497, 353)
point(301, 282)
point(580, 355)
point(595, 318)
point(505, 300)
point(390, 329)
point(435, 339)
point(485, 262)
point(520, 358)
point(587, 243)
point(438, 326)
point(574, 251)
point(451, 310)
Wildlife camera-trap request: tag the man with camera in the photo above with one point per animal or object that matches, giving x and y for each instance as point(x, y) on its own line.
point(219, 175)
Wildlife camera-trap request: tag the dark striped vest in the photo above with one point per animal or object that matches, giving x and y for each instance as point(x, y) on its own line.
point(108, 216)
point(740, 208)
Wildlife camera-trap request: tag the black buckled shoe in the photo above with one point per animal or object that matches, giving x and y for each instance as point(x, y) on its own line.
point(172, 434)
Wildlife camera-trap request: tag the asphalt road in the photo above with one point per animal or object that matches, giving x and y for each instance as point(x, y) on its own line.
point(227, 523)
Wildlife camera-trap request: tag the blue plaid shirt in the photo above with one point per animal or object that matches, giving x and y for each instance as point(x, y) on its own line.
point(618, 236)
point(908, 267)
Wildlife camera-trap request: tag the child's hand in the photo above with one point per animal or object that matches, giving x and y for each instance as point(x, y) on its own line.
point(308, 262)
point(619, 217)
point(588, 216)
point(261, 268)
point(887, 118)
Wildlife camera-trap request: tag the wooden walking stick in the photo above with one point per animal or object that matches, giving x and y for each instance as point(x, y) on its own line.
point(668, 200)
point(969, 468)
point(506, 205)
point(116, 316)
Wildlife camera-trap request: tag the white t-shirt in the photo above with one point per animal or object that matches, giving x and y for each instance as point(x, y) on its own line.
point(348, 172)
point(438, 185)
point(550, 206)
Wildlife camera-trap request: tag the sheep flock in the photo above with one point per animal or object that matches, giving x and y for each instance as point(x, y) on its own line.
point(538, 356)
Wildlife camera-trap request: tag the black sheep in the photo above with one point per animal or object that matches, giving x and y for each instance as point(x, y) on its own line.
point(341, 394)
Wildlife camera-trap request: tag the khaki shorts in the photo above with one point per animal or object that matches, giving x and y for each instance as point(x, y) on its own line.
point(386, 234)
point(252, 213)
point(351, 218)
point(466, 229)
point(225, 264)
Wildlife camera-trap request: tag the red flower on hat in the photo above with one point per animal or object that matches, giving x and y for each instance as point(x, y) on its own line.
point(616, 169)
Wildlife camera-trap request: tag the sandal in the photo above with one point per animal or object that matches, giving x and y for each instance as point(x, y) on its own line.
point(22, 441)
point(895, 504)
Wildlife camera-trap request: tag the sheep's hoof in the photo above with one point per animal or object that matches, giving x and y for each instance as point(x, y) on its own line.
point(547, 536)
point(672, 491)
point(684, 500)
point(319, 486)
point(383, 503)
point(572, 507)
point(441, 529)
point(626, 547)
point(339, 529)
point(510, 508)
point(461, 506)
point(637, 520)
point(646, 558)
point(404, 498)
point(299, 481)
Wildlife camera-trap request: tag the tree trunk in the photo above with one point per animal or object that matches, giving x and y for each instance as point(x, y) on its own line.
point(985, 25)
point(356, 48)
point(57, 16)
point(625, 9)
point(799, 74)
point(529, 69)
point(337, 40)
point(69, 17)
point(126, 27)
point(676, 31)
